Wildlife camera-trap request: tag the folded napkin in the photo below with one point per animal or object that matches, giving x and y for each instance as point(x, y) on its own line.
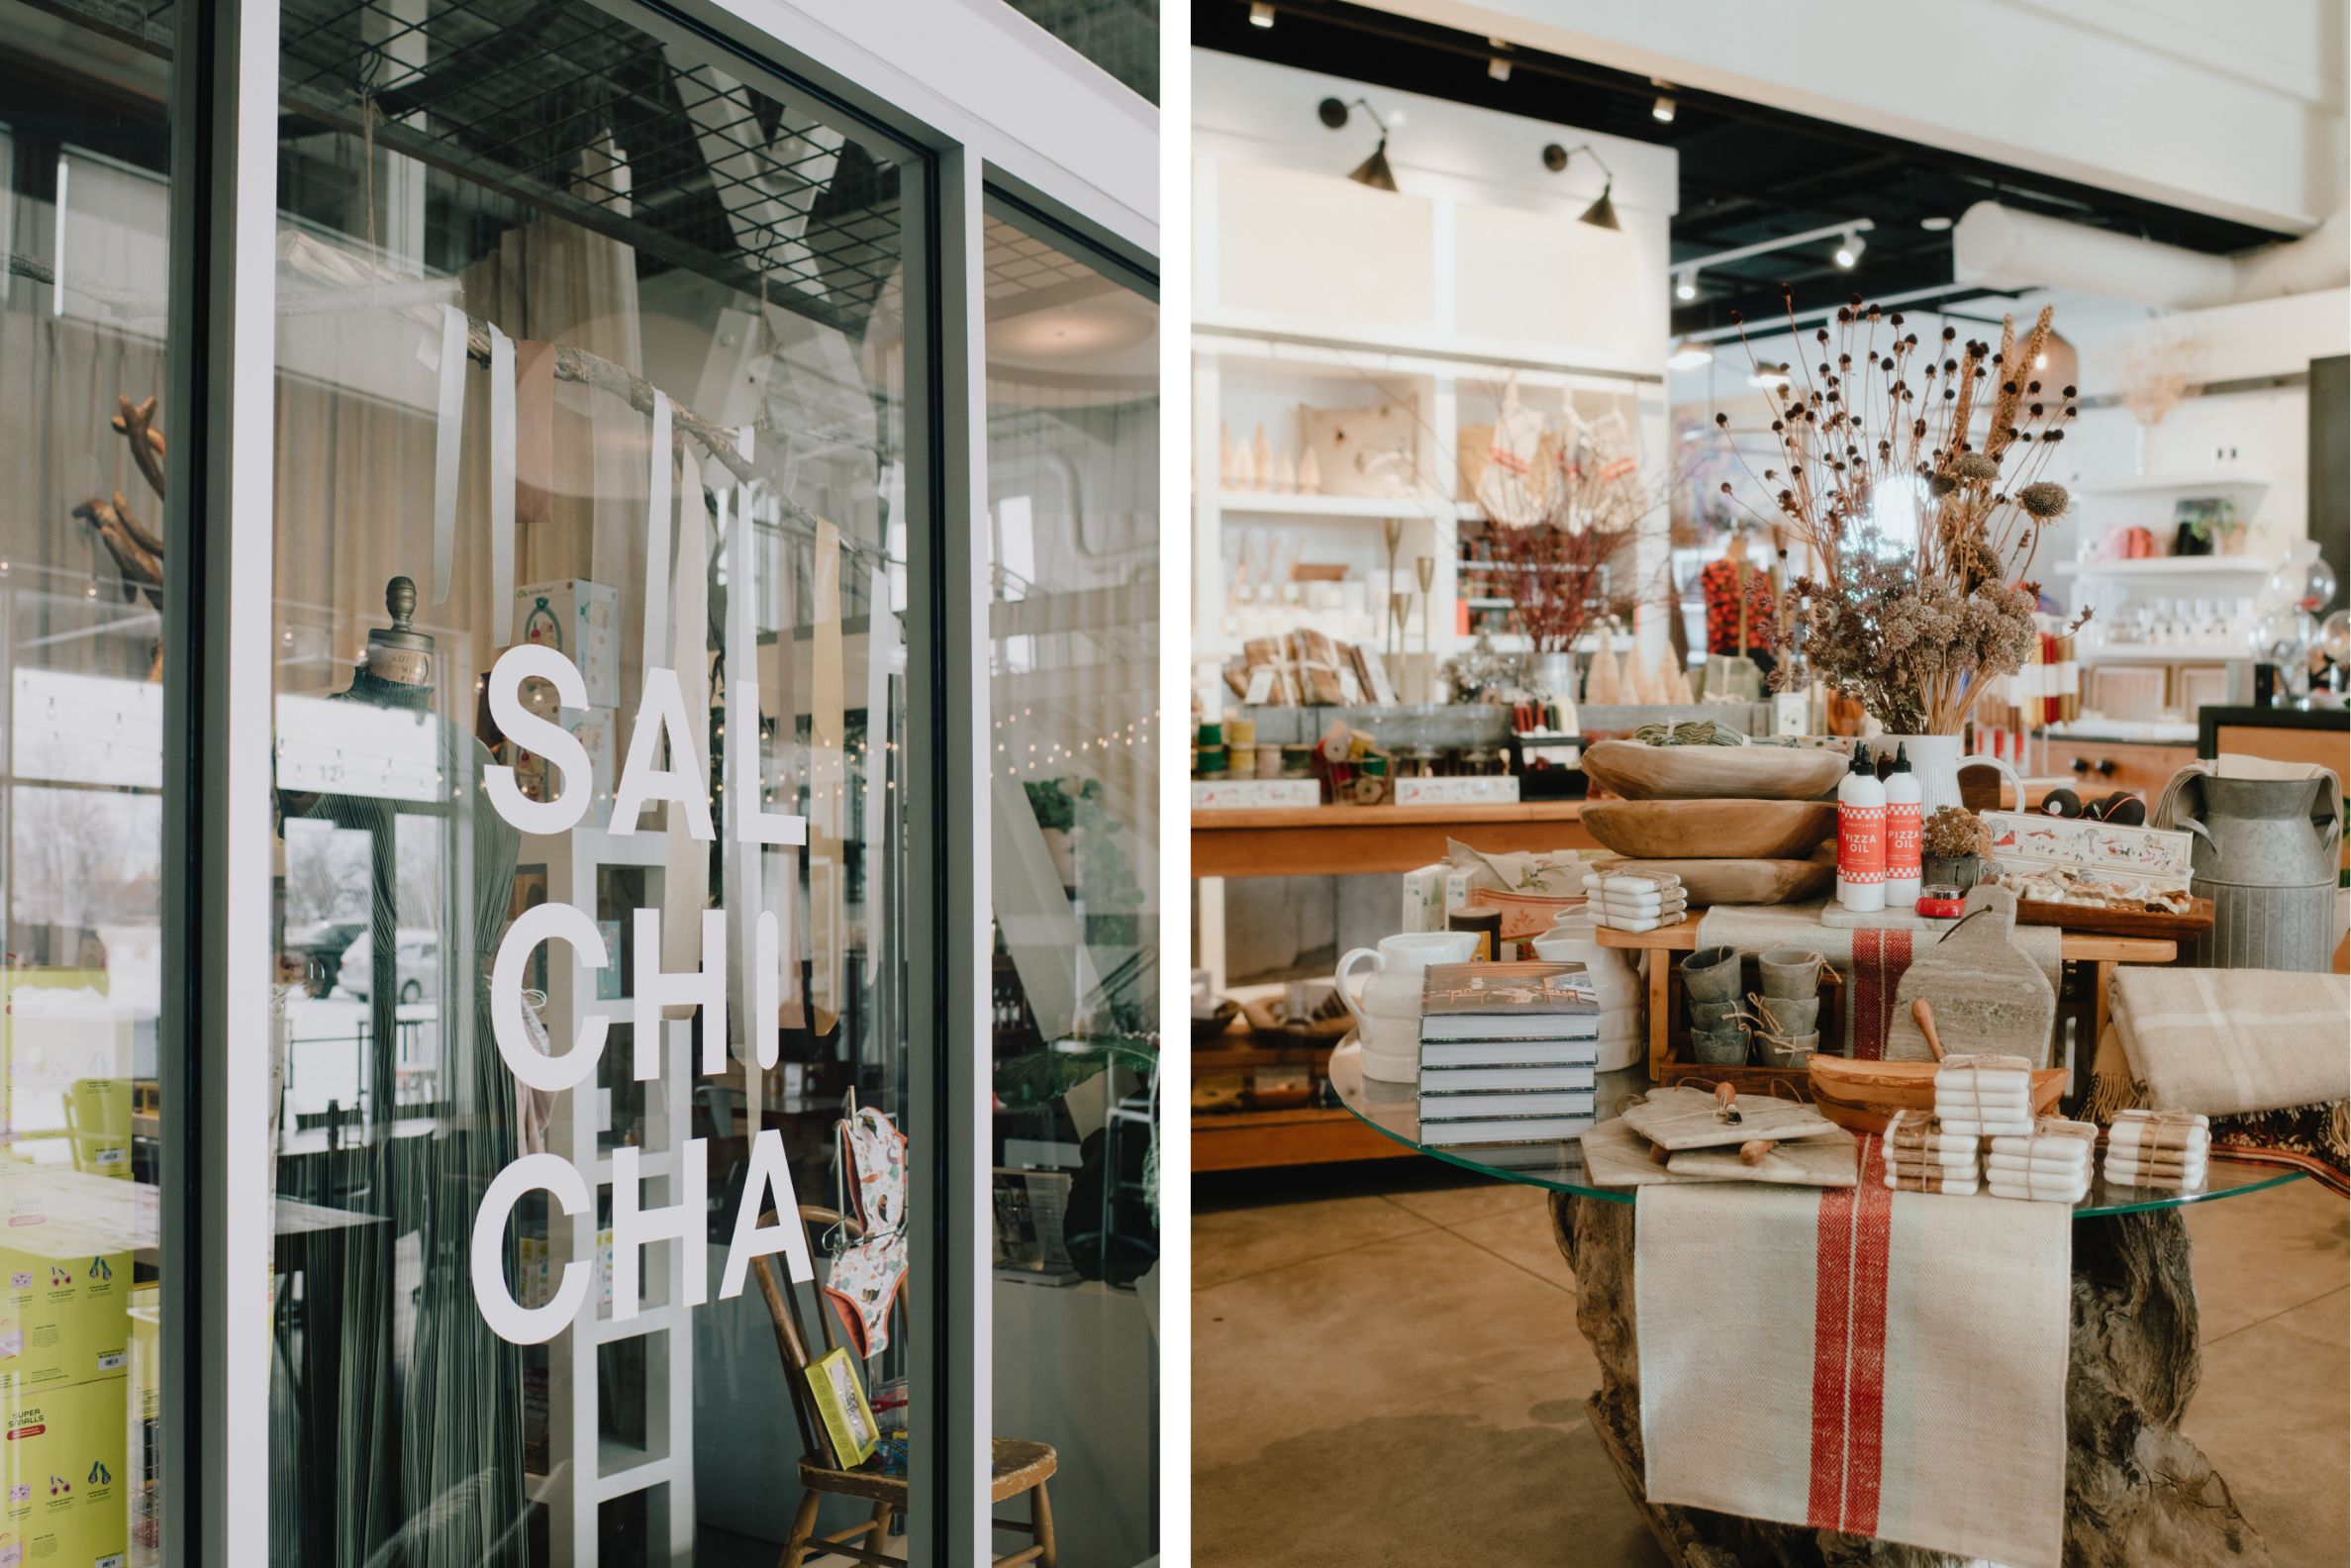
point(1636, 908)
point(2160, 1129)
point(2035, 1190)
point(1891, 1347)
point(1629, 923)
point(1983, 1126)
point(2119, 1168)
point(1956, 1186)
point(1652, 882)
point(1938, 1159)
point(2023, 1164)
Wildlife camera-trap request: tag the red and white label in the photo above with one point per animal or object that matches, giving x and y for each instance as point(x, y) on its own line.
point(1861, 843)
point(1902, 841)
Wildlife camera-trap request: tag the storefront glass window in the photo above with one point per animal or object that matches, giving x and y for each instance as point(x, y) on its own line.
point(1073, 473)
point(590, 571)
point(84, 225)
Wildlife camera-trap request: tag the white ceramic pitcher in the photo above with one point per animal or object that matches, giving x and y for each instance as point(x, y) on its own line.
point(1388, 1015)
point(1623, 1040)
point(1936, 763)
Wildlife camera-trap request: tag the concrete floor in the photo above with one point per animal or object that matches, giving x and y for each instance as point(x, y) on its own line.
point(1386, 1368)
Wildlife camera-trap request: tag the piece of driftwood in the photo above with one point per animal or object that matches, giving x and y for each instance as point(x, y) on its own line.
point(1645, 772)
point(1706, 882)
point(1710, 830)
point(2137, 1492)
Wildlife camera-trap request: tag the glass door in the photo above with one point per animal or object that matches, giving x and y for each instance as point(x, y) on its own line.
point(589, 594)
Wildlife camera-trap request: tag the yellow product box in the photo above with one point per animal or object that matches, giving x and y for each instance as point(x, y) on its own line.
point(143, 1412)
point(62, 1320)
point(63, 1471)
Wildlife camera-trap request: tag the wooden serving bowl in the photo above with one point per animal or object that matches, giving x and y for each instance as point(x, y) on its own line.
point(1711, 772)
point(1712, 830)
point(1862, 1096)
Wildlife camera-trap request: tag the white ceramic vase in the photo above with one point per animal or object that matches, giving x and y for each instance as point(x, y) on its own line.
point(1571, 939)
point(1935, 763)
point(1387, 1014)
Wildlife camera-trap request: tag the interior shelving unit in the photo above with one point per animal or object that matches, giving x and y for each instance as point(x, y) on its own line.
point(1244, 379)
point(586, 1466)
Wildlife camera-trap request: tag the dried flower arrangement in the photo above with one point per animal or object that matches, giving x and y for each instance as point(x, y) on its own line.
point(1573, 514)
point(2157, 371)
point(1915, 630)
point(1953, 832)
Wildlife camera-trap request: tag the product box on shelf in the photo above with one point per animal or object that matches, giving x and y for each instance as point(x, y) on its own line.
point(64, 1464)
point(1258, 794)
point(1484, 790)
point(2136, 859)
point(580, 620)
point(62, 1320)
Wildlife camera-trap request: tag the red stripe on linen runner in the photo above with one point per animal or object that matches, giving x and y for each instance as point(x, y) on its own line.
point(1855, 1241)
point(1880, 957)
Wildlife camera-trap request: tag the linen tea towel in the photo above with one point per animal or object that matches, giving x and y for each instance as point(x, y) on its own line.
point(1900, 1366)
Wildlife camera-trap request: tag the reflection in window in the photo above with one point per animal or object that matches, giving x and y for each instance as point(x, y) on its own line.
point(1073, 422)
point(587, 343)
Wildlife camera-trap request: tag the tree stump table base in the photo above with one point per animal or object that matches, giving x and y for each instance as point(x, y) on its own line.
point(2137, 1494)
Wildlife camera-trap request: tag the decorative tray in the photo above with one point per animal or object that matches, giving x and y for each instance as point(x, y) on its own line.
point(2117, 923)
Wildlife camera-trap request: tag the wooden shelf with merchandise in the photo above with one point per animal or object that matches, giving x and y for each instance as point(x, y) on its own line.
point(1328, 841)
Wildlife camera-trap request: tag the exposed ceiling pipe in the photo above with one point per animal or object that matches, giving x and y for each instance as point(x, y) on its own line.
point(2000, 246)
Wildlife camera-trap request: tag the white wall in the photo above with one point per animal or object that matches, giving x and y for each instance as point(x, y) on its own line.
point(1480, 250)
point(2234, 110)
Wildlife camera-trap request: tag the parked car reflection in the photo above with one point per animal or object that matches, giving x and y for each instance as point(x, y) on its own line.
point(418, 966)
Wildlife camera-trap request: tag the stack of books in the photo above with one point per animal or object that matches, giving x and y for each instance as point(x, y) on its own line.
point(1507, 1052)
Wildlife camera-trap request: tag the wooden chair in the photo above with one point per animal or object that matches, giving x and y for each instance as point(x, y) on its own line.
point(1015, 1467)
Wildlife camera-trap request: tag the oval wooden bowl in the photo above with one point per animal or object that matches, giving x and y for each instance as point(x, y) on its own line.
point(1862, 1096)
point(1709, 882)
point(1712, 830)
point(1645, 772)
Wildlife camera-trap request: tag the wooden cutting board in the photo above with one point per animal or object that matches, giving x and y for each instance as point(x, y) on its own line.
point(1737, 881)
point(1989, 999)
point(1809, 1162)
point(1683, 1118)
point(1710, 830)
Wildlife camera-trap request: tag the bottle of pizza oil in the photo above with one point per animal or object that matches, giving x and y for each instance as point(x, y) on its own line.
point(1903, 805)
point(1861, 837)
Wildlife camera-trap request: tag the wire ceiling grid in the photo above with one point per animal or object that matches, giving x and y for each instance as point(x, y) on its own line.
point(570, 110)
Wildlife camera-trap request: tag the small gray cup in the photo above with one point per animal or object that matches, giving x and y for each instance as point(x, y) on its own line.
point(1711, 974)
point(1791, 1014)
point(1710, 1016)
point(1790, 972)
point(1795, 1053)
point(1721, 1047)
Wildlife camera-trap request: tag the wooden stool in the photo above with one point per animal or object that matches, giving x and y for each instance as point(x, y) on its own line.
point(1013, 1466)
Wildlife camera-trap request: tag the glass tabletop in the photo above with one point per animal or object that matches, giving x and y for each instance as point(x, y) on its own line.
point(1392, 1109)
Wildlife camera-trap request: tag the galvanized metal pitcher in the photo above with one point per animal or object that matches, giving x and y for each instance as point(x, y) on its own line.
point(2265, 856)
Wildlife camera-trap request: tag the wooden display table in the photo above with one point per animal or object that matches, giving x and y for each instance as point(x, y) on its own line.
point(1327, 840)
point(2105, 951)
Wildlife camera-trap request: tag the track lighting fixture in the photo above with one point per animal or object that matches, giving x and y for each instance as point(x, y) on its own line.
point(1849, 248)
point(1260, 14)
point(1499, 70)
point(1686, 283)
point(1662, 110)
